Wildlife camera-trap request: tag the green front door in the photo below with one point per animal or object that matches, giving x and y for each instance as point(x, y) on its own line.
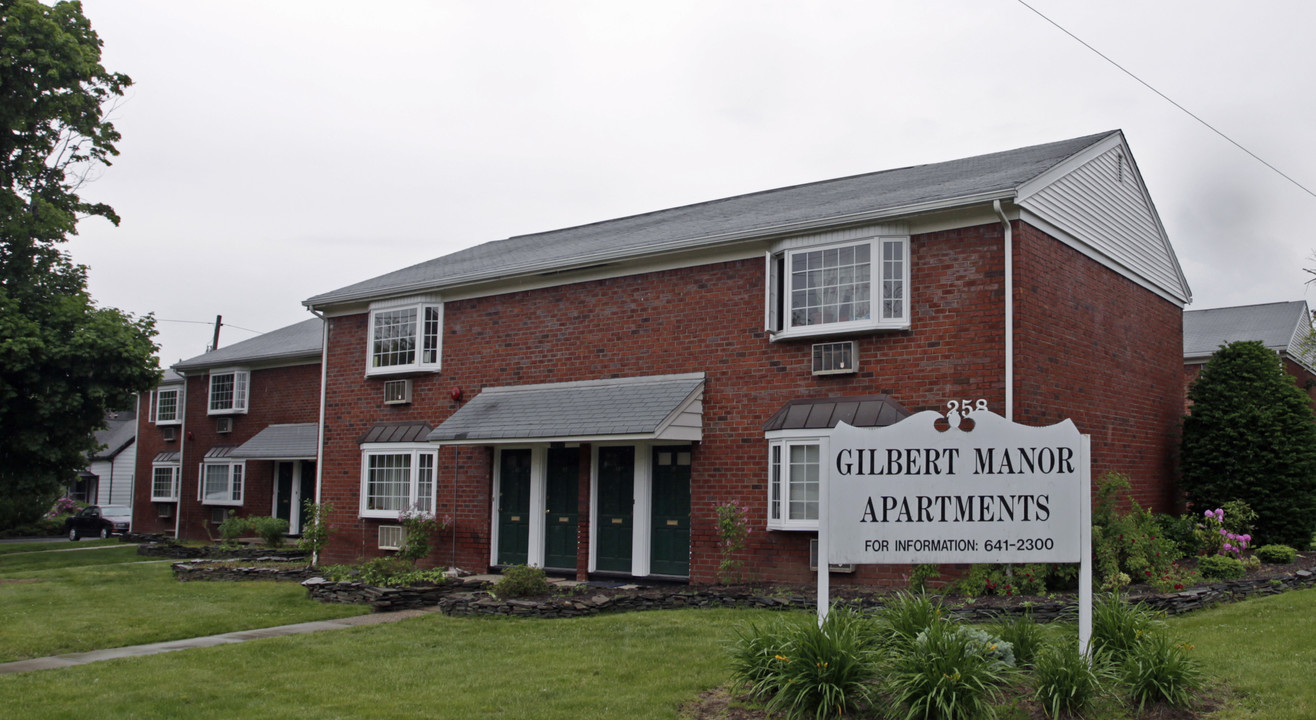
point(616, 500)
point(514, 507)
point(670, 552)
point(283, 491)
point(307, 492)
point(561, 508)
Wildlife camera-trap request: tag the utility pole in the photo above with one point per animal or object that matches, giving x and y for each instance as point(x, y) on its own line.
point(219, 322)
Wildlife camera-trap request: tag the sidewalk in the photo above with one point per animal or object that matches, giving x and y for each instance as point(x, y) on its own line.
point(82, 658)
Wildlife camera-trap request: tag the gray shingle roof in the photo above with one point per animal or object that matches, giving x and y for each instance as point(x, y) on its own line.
point(118, 434)
point(795, 208)
point(281, 442)
point(301, 341)
point(1280, 326)
point(636, 406)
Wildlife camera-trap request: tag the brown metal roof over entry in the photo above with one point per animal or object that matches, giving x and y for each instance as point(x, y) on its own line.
point(823, 413)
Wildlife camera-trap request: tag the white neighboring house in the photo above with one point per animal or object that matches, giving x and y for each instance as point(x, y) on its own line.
point(108, 479)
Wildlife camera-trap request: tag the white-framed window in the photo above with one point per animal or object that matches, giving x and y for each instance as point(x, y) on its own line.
point(167, 406)
point(397, 477)
point(839, 287)
point(228, 391)
point(794, 468)
point(405, 338)
point(164, 482)
point(221, 482)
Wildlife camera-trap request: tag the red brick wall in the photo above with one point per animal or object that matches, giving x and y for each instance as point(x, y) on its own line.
point(276, 396)
point(710, 319)
point(150, 442)
point(1100, 349)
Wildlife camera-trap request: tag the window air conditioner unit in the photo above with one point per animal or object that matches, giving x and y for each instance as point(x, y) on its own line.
point(833, 567)
point(224, 425)
point(835, 358)
point(390, 537)
point(170, 433)
point(397, 392)
point(164, 510)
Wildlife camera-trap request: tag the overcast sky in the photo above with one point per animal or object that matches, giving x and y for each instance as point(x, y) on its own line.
point(276, 149)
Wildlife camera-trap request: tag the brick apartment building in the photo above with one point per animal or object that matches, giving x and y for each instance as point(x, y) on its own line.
point(233, 430)
point(584, 399)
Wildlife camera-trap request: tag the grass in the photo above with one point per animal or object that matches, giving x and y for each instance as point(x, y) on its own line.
point(635, 665)
point(11, 548)
point(1264, 649)
point(60, 602)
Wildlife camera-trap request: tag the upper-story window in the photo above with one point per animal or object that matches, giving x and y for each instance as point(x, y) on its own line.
point(228, 391)
point(839, 287)
point(167, 406)
point(405, 338)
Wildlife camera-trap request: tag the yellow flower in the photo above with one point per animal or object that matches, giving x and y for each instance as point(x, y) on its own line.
point(783, 658)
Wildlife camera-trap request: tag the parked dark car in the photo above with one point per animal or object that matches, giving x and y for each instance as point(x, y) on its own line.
point(98, 521)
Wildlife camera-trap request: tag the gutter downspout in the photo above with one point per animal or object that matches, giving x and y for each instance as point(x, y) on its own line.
point(319, 434)
point(1009, 310)
point(182, 456)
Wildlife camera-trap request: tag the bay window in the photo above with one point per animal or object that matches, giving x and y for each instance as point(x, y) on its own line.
point(394, 479)
point(794, 467)
point(405, 338)
point(221, 482)
point(818, 289)
point(228, 391)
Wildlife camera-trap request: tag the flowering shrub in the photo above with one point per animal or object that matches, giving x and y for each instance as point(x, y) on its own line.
point(418, 527)
point(1127, 544)
point(1216, 539)
point(732, 531)
point(64, 506)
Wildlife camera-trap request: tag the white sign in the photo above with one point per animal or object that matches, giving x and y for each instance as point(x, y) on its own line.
point(998, 493)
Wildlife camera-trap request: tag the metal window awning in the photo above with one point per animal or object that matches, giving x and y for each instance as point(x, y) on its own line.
point(295, 441)
point(824, 413)
point(170, 456)
point(396, 432)
point(657, 407)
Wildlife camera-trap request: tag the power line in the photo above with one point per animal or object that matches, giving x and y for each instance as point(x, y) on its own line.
point(212, 322)
point(1165, 97)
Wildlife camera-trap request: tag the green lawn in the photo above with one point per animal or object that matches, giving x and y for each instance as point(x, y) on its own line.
point(1265, 649)
point(27, 547)
point(637, 665)
point(60, 602)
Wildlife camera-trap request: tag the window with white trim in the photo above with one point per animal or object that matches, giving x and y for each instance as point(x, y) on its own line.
point(793, 473)
point(164, 482)
point(221, 482)
point(228, 391)
point(396, 478)
point(840, 287)
point(167, 406)
point(406, 338)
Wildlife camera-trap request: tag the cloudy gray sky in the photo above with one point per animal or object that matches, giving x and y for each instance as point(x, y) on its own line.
point(276, 149)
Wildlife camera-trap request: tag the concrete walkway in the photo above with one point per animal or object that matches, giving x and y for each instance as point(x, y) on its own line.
point(82, 658)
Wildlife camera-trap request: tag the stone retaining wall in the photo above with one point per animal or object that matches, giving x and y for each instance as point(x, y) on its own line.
point(460, 599)
point(206, 571)
point(216, 552)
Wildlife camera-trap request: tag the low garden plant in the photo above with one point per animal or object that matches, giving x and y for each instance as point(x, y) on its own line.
point(1025, 636)
point(1221, 567)
point(1276, 554)
point(1066, 683)
point(1158, 670)
point(521, 581)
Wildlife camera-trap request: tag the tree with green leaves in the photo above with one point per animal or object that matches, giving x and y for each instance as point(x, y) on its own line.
point(64, 361)
point(1251, 436)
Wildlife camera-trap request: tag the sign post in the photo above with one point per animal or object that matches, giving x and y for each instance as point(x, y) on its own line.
point(999, 492)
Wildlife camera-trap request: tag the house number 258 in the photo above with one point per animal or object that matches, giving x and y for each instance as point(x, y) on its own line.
point(964, 407)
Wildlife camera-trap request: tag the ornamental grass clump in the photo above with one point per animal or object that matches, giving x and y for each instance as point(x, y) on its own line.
point(806, 670)
point(904, 616)
point(1025, 636)
point(1117, 625)
point(1158, 670)
point(950, 672)
point(1067, 683)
